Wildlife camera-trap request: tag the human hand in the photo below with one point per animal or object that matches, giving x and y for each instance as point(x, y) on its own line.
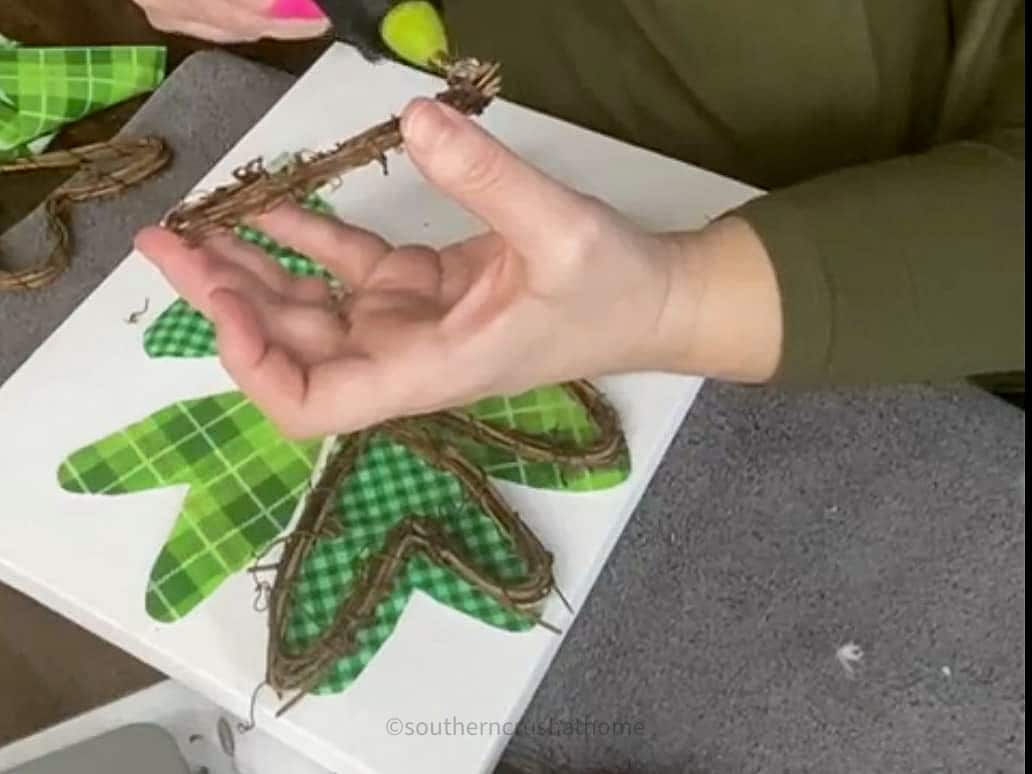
point(560, 287)
point(236, 21)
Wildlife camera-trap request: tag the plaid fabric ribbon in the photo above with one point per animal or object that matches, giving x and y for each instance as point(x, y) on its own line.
point(44, 89)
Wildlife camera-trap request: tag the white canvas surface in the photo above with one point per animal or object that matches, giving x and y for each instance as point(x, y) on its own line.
point(89, 557)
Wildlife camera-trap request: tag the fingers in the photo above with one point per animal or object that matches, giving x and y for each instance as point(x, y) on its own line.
point(230, 21)
point(343, 390)
point(350, 253)
point(250, 258)
point(412, 268)
point(225, 262)
point(269, 376)
point(199, 30)
point(310, 290)
point(530, 209)
point(242, 342)
point(346, 395)
point(256, 261)
point(187, 270)
point(295, 29)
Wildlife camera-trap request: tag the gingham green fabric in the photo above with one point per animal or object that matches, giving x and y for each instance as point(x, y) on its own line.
point(43, 89)
point(390, 484)
point(244, 480)
point(546, 411)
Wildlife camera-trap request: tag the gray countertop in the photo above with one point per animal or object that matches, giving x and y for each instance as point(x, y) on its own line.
point(782, 533)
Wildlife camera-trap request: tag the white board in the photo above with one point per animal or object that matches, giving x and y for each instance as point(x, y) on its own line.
point(89, 557)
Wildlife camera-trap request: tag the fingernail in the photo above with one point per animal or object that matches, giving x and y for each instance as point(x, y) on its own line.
point(295, 9)
point(426, 123)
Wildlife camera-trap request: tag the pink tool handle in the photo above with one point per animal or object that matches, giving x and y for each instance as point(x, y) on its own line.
point(295, 9)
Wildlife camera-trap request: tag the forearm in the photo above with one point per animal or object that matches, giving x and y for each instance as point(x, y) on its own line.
point(911, 269)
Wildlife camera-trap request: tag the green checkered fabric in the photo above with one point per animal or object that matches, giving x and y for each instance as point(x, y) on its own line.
point(43, 89)
point(244, 479)
point(546, 411)
point(388, 485)
point(182, 331)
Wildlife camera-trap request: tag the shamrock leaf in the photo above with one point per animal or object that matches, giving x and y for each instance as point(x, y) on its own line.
point(389, 485)
point(551, 414)
point(244, 479)
point(415, 511)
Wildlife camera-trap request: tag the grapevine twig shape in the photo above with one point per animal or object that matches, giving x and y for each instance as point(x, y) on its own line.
point(430, 437)
point(471, 87)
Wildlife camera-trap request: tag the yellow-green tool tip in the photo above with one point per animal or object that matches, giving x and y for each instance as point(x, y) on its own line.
point(414, 31)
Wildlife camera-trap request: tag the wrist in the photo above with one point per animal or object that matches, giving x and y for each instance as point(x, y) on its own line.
point(722, 317)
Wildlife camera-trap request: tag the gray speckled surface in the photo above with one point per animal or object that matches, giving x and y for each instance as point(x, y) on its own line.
point(780, 528)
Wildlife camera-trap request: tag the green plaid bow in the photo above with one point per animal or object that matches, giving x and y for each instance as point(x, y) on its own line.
point(43, 89)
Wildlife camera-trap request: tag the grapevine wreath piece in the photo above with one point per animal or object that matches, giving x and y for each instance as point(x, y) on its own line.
point(103, 169)
point(406, 505)
point(442, 441)
point(471, 87)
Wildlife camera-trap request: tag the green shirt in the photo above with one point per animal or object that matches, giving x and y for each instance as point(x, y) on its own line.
point(889, 133)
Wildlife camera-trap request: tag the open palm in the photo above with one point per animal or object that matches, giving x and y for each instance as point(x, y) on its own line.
point(286, 338)
point(560, 287)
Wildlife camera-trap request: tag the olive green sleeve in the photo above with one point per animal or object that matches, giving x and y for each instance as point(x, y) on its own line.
point(914, 268)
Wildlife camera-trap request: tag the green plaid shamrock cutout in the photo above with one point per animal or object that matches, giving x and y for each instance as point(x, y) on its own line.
point(43, 89)
point(246, 482)
point(389, 484)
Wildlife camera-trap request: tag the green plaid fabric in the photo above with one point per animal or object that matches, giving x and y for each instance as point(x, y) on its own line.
point(32, 147)
point(43, 89)
point(547, 411)
point(245, 482)
point(390, 484)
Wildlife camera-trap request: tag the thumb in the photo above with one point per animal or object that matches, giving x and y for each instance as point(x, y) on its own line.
point(527, 207)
